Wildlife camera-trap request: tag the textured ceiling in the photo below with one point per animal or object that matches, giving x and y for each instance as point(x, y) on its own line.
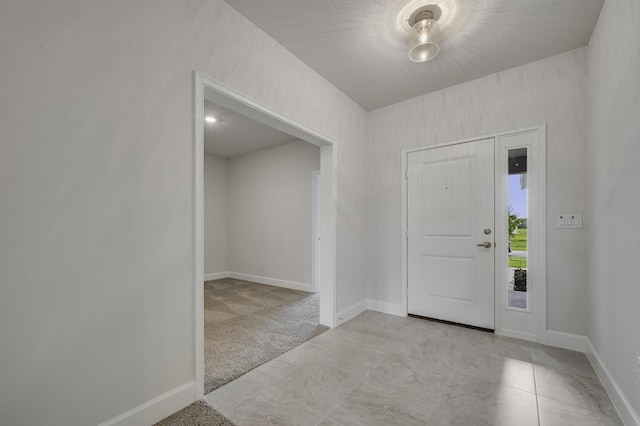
point(359, 46)
point(234, 134)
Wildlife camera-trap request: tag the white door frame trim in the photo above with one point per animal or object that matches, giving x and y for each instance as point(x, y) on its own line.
point(537, 271)
point(227, 97)
point(315, 237)
point(539, 162)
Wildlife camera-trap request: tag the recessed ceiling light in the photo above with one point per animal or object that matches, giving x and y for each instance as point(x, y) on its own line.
point(210, 119)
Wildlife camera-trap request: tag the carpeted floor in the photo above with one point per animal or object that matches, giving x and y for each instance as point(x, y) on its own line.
point(248, 324)
point(196, 414)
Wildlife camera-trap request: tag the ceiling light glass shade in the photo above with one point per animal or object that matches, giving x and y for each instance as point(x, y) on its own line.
point(425, 37)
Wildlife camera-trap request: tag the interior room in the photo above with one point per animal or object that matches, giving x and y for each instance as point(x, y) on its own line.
point(259, 200)
point(260, 236)
point(417, 108)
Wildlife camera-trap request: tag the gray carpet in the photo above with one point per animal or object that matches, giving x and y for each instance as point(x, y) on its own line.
point(245, 325)
point(196, 414)
point(248, 324)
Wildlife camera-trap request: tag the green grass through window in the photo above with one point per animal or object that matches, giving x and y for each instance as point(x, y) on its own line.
point(519, 243)
point(519, 240)
point(517, 262)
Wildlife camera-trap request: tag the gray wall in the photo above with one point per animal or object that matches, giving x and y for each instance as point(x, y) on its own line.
point(216, 214)
point(258, 212)
point(614, 193)
point(96, 176)
point(552, 90)
point(270, 212)
point(96, 166)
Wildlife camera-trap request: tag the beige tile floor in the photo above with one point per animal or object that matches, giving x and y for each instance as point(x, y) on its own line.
point(380, 369)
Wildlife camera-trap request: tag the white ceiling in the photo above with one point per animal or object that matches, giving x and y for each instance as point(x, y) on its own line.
point(359, 46)
point(234, 134)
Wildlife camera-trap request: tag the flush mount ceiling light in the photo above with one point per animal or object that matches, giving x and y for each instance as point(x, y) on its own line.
point(210, 119)
point(425, 37)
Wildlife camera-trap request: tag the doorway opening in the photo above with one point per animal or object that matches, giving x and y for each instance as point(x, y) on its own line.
point(208, 90)
point(450, 223)
point(443, 242)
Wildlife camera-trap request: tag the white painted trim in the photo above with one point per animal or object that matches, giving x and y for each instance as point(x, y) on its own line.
point(260, 280)
point(540, 255)
point(516, 335)
point(216, 276)
point(230, 98)
point(315, 231)
point(404, 250)
point(352, 311)
point(560, 339)
point(386, 307)
point(198, 231)
point(225, 96)
point(620, 401)
point(157, 409)
point(533, 319)
point(272, 281)
point(327, 256)
point(474, 138)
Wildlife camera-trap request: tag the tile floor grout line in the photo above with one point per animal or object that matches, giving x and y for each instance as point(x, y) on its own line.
point(332, 409)
point(578, 406)
point(535, 388)
point(347, 398)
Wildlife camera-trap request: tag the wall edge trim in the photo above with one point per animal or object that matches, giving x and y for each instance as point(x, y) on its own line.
point(352, 312)
point(157, 408)
point(216, 276)
point(293, 285)
point(561, 339)
point(620, 401)
point(386, 307)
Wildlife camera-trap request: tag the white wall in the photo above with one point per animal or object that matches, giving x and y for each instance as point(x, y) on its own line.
point(551, 90)
point(270, 212)
point(216, 214)
point(258, 213)
point(614, 193)
point(96, 170)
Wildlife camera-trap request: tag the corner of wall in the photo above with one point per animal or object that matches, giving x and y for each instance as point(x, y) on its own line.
point(620, 401)
point(560, 339)
point(385, 307)
point(351, 312)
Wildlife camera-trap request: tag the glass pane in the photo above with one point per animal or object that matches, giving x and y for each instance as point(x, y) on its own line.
point(518, 243)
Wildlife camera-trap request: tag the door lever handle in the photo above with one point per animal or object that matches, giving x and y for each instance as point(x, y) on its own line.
point(486, 244)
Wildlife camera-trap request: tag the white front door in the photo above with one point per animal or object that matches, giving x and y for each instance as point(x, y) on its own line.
point(450, 214)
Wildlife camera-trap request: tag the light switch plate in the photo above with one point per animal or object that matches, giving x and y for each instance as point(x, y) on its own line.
point(569, 221)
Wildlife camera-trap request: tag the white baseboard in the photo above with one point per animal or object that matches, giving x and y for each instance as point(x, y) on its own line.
point(560, 339)
point(351, 312)
point(216, 276)
point(272, 281)
point(158, 408)
point(258, 279)
point(516, 334)
point(620, 401)
point(385, 307)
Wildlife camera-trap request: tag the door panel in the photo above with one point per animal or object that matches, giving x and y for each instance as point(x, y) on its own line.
point(450, 204)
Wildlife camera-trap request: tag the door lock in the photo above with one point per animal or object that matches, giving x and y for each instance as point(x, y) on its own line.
point(486, 244)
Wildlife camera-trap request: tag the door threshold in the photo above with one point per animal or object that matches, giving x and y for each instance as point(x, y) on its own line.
point(473, 327)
